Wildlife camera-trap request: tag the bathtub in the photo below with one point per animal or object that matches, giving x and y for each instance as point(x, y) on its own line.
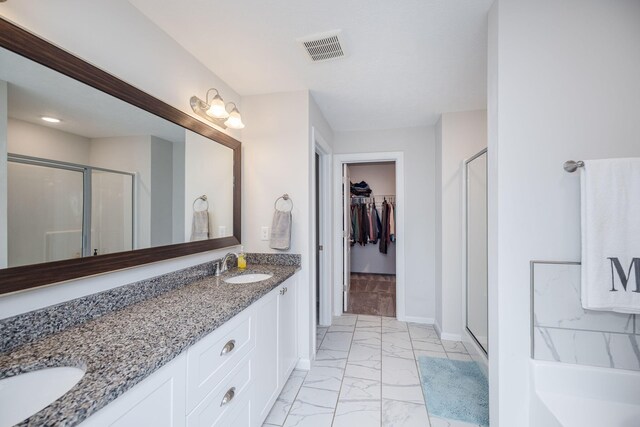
point(565, 395)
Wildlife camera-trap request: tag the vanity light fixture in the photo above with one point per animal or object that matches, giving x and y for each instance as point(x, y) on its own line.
point(50, 119)
point(235, 120)
point(216, 111)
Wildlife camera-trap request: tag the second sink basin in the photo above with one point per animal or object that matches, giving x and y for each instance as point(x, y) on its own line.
point(25, 394)
point(248, 278)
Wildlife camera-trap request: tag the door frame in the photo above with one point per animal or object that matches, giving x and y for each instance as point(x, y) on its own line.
point(323, 149)
point(339, 160)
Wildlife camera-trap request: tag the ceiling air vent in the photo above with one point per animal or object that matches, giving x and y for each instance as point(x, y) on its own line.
point(323, 47)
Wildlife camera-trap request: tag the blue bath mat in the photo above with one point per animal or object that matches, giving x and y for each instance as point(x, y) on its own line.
point(455, 389)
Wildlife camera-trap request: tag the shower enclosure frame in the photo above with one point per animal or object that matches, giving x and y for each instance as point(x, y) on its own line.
point(466, 247)
point(87, 173)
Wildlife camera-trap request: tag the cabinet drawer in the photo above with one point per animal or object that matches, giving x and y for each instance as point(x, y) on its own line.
point(232, 395)
point(213, 357)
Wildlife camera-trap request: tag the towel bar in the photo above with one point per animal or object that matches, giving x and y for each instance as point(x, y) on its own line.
point(204, 199)
point(572, 166)
point(286, 197)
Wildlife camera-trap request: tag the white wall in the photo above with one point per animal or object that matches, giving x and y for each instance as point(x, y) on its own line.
point(563, 84)
point(381, 178)
point(162, 189)
point(438, 222)
point(418, 146)
point(3, 173)
point(47, 142)
point(115, 37)
point(461, 136)
point(179, 200)
point(277, 160)
point(208, 171)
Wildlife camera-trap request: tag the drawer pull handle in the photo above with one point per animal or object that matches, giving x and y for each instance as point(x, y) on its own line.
point(286, 289)
point(282, 291)
point(228, 396)
point(228, 347)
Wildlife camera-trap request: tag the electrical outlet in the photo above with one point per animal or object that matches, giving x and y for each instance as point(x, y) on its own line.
point(222, 230)
point(265, 233)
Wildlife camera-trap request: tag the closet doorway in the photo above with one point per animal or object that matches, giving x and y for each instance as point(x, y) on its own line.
point(370, 218)
point(372, 236)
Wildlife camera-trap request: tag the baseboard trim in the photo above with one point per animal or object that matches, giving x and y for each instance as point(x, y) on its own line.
point(446, 336)
point(450, 337)
point(304, 364)
point(417, 319)
point(438, 329)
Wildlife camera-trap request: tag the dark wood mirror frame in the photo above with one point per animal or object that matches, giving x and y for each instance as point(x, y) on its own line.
point(32, 47)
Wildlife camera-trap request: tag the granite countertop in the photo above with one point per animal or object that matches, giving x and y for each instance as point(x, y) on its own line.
point(120, 349)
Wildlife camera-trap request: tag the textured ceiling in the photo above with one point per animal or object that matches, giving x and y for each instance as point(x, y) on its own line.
point(407, 61)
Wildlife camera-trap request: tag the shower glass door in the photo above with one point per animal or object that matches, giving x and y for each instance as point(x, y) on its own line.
point(476, 250)
point(111, 212)
point(58, 210)
point(44, 213)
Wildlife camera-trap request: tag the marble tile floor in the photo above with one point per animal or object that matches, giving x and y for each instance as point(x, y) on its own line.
point(365, 374)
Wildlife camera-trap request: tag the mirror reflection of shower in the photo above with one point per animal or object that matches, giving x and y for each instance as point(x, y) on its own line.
point(58, 210)
point(476, 249)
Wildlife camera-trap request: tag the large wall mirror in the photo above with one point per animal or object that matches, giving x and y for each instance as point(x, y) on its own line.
point(93, 183)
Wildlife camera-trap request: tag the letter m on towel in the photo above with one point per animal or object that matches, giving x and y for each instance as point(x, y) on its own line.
point(624, 278)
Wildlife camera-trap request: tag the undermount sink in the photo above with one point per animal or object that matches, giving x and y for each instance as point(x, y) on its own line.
point(248, 278)
point(23, 395)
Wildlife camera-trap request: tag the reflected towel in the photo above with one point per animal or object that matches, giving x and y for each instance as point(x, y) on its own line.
point(200, 226)
point(281, 230)
point(610, 209)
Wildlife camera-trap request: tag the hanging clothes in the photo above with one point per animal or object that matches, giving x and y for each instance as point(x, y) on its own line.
point(378, 223)
point(384, 236)
point(364, 225)
point(354, 225)
point(392, 221)
point(373, 233)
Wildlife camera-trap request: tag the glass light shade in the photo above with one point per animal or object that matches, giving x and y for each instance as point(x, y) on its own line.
point(217, 108)
point(234, 121)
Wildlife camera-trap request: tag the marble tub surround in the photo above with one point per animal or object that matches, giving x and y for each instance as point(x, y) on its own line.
point(565, 332)
point(121, 348)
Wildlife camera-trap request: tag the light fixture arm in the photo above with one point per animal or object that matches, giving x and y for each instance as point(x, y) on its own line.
point(209, 91)
point(231, 103)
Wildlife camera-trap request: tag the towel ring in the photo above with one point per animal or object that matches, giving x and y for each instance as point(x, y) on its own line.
point(204, 199)
point(286, 198)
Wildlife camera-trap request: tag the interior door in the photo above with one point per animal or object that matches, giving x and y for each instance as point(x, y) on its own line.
point(346, 235)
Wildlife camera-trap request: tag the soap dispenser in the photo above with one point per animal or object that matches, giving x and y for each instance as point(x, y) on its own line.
point(242, 259)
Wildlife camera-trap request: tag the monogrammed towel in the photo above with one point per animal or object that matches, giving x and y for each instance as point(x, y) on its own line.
point(610, 199)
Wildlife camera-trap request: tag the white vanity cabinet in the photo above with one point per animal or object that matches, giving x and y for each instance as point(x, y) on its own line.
point(158, 400)
point(277, 344)
point(231, 377)
point(287, 331)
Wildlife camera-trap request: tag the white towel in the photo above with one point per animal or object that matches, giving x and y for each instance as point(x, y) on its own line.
point(200, 226)
point(610, 198)
point(281, 230)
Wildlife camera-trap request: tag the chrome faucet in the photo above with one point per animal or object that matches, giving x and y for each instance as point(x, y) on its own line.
point(221, 266)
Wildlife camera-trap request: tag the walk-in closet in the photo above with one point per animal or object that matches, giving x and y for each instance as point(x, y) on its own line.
point(372, 219)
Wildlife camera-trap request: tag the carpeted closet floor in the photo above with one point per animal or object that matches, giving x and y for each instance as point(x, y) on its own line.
point(373, 294)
